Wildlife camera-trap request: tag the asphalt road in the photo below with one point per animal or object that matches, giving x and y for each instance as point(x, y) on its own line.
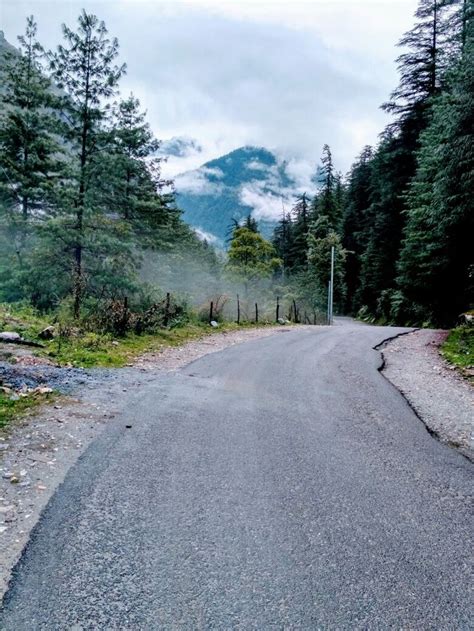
point(280, 484)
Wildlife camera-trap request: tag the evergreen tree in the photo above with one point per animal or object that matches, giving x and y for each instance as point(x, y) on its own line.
point(437, 261)
point(132, 176)
point(391, 171)
point(251, 224)
point(297, 250)
point(424, 65)
point(84, 67)
point(28, 150)
point(357, 222)
point(283, 242)
point(326, 204)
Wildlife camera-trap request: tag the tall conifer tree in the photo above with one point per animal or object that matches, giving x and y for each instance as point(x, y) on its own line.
point(85, 68)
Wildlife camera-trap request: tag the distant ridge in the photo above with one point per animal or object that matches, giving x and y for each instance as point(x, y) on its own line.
point(231, 187)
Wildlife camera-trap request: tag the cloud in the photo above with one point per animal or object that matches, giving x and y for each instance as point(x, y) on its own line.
point(266, 204)
point(289, 76)
point(256, 165)
point(180, 147)
point(207, 236)
point(197, 182)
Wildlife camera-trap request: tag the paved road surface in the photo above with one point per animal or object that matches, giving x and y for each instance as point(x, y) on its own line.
point(280, 484)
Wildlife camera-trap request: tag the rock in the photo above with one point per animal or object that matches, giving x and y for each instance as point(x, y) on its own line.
point(43, 390)
point(281, 321)
point(7, 475)
point(14, 479)
point(10, 336)
point(115, 343)
point(214, 324)
point(47, 334)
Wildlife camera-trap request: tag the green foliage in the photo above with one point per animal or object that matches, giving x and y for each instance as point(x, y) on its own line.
point(408, 220)
point(437, 260)
point(29, 160)
point(83, 206)
point(458, 348)
point(13, 406)
point(251, 257)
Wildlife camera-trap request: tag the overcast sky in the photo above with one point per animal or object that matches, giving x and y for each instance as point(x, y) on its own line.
point(287, 75)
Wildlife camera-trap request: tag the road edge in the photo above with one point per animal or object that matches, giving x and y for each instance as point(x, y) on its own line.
point(465, 452)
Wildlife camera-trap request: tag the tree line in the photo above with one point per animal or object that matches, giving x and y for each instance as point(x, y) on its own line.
point(402, 221)
point(82, 199)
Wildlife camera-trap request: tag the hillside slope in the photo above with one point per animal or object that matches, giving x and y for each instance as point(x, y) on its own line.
point(247, 180)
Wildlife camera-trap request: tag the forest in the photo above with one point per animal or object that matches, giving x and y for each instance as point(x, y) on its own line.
point(91, 233)
point(402, 220)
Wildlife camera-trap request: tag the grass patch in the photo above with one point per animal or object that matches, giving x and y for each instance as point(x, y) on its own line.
point(11, 409)
point(458, 349)
point(84, 349)
point(92, 349)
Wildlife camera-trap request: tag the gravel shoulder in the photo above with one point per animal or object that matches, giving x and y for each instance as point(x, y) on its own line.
point(437, 392)
point(38, 450)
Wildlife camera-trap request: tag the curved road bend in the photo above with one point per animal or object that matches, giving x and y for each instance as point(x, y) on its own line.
point(279, 484)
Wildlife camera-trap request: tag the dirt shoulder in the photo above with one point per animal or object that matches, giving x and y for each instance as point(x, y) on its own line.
point(438, 393)
point(37, 451)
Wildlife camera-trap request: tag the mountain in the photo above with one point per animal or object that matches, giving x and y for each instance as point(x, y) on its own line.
point(247, 180)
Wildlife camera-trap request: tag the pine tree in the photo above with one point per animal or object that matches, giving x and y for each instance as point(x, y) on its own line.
point(283, 241)
point(84, 67)
point(357, 222)
point(130, 176)
point(423, 67)
point(326, 204)
point(251, 224)
point(391, 170)
point(437, 261)
point(28, 150)
point(300, 215)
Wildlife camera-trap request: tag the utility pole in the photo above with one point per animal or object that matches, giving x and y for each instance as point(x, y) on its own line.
point(328, 314)
point(331, 289)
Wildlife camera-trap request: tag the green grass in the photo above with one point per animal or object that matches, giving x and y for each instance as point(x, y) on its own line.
point(458, 348)
point(12, 409)
point(86, 349)
point(92, 349)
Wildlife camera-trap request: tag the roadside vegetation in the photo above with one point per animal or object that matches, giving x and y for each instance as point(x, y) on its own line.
point(80, 347)
point(458, 349)
point(16, 406)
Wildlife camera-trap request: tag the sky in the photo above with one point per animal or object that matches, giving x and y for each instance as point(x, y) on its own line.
point(219, 74)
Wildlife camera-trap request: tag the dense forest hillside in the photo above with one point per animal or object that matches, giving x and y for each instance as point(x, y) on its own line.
point(402, 221)
point(228, 188)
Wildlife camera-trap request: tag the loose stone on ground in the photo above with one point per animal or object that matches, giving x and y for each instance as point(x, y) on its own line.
point(441, 397)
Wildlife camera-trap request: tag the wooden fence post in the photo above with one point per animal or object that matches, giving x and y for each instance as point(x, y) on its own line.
point(256, 313)
point(238, 309)
point(278, 309)
point(211, 312)
point(295, 310)
point(124, 318)
point(167, 309)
